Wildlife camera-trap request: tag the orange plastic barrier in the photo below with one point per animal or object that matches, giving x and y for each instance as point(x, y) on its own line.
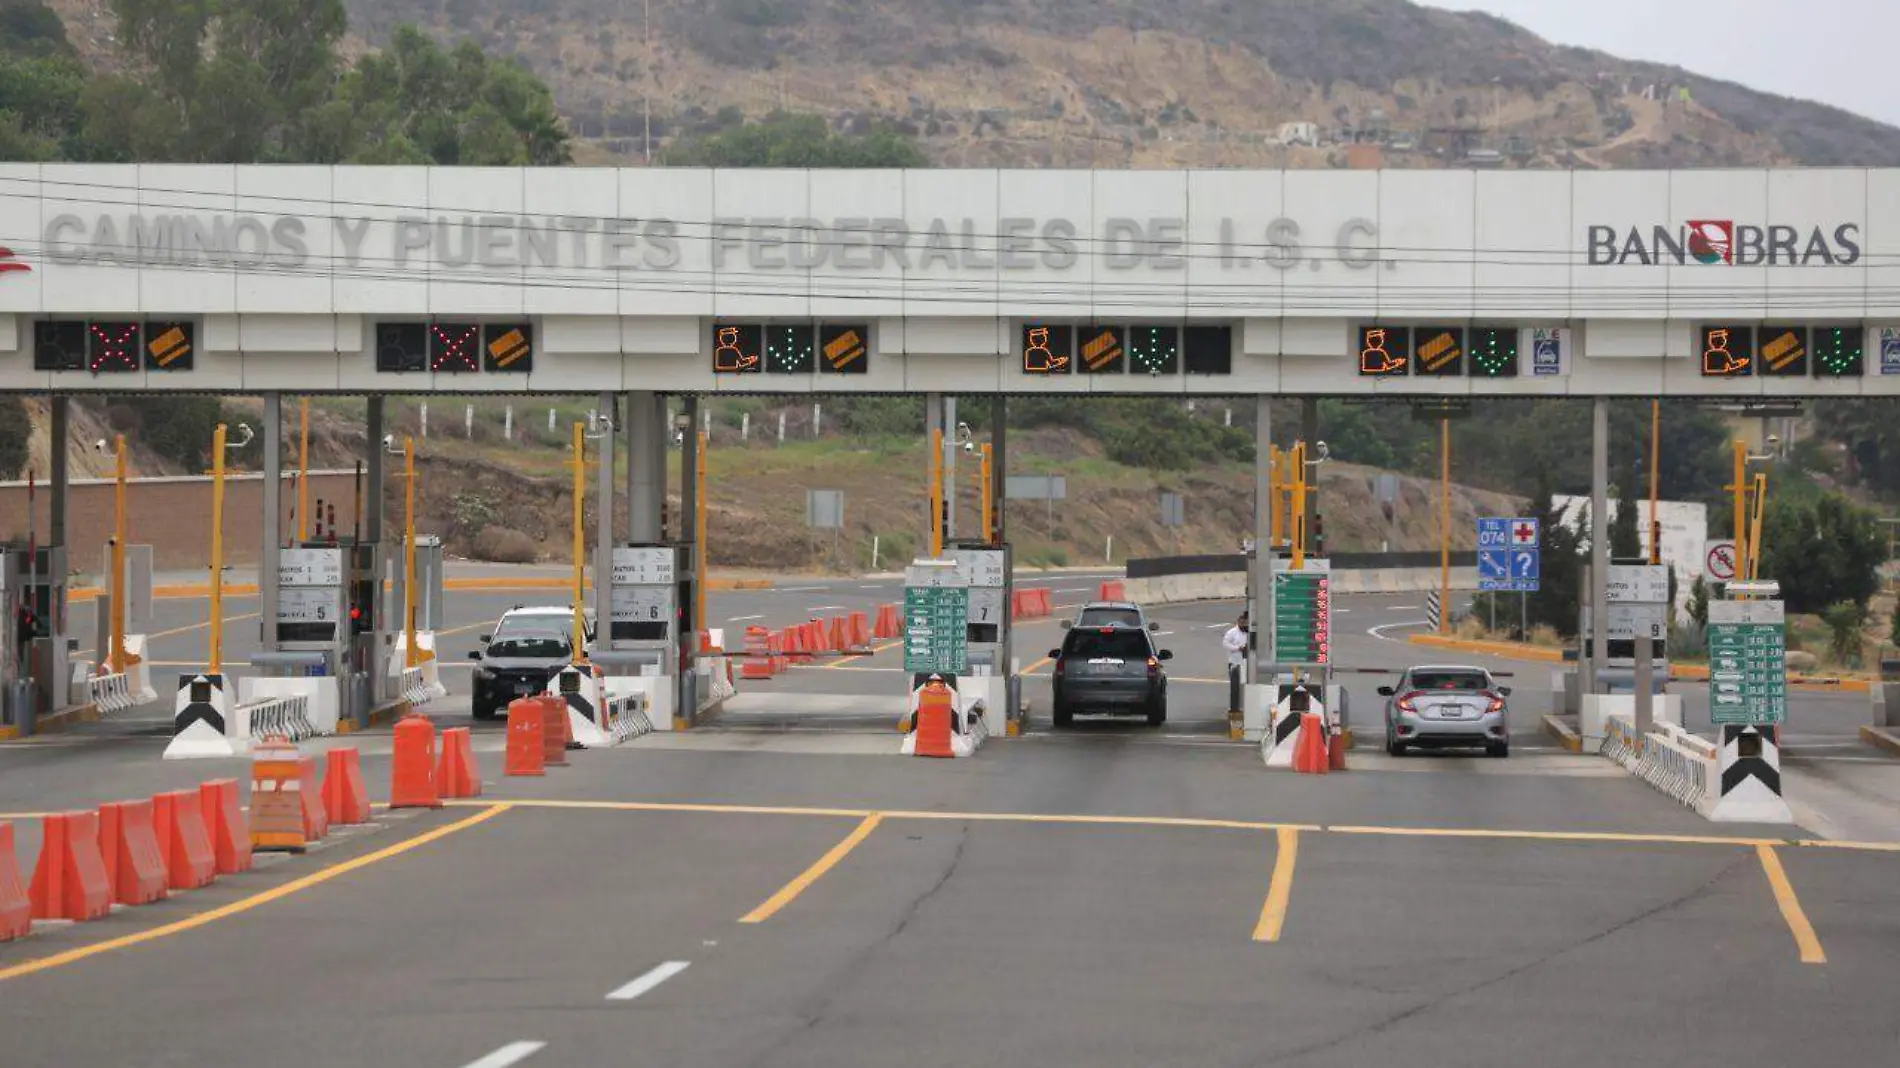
point(189, 861)
point(556, 730)
point(230, 829)
point(412, 770)
point(16, 906)
point(1336, 752)
point(69, 882)
point(1113, 591)
point(1311, 756)
point(1045, 605)
point(128, 843)
point(835, 640)
point(814, 638)
point(456, 774)
point(526, 754)
point(276, 819)
point(316, 818)
point(1018, 604)
point(935, 711)
point(858, 635)
point(759, 661)
point(345, 798)
point(887, 624)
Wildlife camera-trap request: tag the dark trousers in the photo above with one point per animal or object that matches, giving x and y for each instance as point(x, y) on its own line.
point(1234, 674)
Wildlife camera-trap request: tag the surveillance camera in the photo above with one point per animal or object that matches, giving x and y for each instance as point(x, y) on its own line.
point(969, 446)
point(1323, 451)
point(99, 445)
point(389, 441)
point(1774, 440)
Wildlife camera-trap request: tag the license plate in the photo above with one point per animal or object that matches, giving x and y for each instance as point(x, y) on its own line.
point(1457, 711)
point(525, 689)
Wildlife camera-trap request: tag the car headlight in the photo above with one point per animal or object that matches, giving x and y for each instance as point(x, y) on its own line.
point(484, 673)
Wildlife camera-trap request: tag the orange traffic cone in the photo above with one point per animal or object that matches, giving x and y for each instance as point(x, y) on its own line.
point(526, 754)
point(886, 627)
point(860, 635)
point(935, 710)
point(835, 639)
point(345, 799)
point(412, 773)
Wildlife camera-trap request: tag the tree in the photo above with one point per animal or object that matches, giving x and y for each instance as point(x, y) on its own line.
point(1822, 550)
point(16, 432)
point(785, 139)
point(1625, 540)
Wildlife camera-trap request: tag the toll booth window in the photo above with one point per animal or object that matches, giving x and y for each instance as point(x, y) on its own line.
point(789, 349)
point(1112, 644)
point(1438, 350)
point(113, 347)
point(1727, 351)
point(1783, 351)
point(845, 348)
point(508, 348)
point(402, 348)
point(1208, 350)
point(453, 347)
point(737, 347)
point(1102, 351)
point(1154, 350)
point(1839, 351)
point(1048, 350)
point(59, 345)
point(1384, 351)
point(169, 345)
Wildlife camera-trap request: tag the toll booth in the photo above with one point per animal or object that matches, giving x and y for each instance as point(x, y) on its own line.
point(16, 690)
point(649, 640)
point(1297, 629)
point(989, 670)
point(42, 630)
point(937, 630)
point(312, 634)
point(429, 609)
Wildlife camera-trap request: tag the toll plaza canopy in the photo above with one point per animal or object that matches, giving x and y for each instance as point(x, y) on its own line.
point(1777, 283)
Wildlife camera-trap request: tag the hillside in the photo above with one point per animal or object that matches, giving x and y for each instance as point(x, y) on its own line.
point(1121, 83)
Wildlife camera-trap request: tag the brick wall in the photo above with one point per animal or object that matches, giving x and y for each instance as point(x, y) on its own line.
point(173, 516)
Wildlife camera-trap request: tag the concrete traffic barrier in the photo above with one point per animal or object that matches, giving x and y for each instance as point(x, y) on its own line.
point(16, 905)
point(189, 861)
point(345, 797)
point(525, 754)
point(128, 843)
point(316, 818)
point(412, 769)
point(276, 817)
point(69, 882)
point(1112, 590)
point(457, 773)
point(229, 826)
point(199, 717)
point(1749, 777)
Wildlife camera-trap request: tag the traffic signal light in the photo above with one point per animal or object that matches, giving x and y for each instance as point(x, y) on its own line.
point(363, 606)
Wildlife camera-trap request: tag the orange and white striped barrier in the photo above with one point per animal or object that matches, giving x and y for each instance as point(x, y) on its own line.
point(276, 816)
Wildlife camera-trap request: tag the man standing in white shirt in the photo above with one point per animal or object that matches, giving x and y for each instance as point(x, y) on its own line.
point(1235, 642)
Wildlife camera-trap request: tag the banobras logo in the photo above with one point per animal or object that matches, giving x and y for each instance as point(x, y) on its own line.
point(1725, 243)
point(11, 264)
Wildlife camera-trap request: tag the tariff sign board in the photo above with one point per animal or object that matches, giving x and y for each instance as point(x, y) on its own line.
point(1748, 663)
point(981, 568)
point(646, 566)
point(936, 629)
point(641, 604)
point(1302, 614)
point(309, 604)
point(310, 567)
point(1637, 584)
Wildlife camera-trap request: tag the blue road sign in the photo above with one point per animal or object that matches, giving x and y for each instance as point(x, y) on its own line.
point(1509, 560)
point(1889, 351)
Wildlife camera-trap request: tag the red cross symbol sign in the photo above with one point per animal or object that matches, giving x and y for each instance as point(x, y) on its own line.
point(1524, 534)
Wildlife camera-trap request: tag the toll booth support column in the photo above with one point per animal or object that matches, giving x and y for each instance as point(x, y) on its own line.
point(55, 684)
point(999, 463)
point(604, 523)
point(689, 480)
point(273, 434)
point(933, 426)
point(57, 435)
point(1257, 696)
point(1309, 433)
point(949, 469)
point(646, 431)
point(372, 526)
point(1599, 544)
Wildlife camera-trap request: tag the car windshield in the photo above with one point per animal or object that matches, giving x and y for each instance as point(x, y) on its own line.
point(1109, 617)
point(1449, 680)
point(1111, 644)
point(529, 646)
point(540, 624)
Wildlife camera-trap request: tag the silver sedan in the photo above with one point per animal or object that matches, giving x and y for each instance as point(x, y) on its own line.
point(1447, 705)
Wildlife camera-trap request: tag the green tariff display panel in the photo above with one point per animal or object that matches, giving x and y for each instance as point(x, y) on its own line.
point(1302, 615)
point(1136, 348)
point(936, 629)
point(1748, 662)
point(1782, 350)
point(791, 348)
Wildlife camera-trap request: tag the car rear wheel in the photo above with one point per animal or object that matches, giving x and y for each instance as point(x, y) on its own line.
point(1394, 747)
point(1158, 712)
point(483, 711)
point(1061, 715)
point(1499, 750)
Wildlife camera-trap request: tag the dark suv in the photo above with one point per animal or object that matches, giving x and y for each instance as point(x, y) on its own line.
point(529, 645)
point(1114, 669)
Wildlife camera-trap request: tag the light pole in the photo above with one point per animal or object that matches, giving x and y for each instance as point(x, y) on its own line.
point(219, 446)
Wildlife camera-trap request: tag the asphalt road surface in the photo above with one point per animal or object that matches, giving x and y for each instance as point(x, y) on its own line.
point(782, 890)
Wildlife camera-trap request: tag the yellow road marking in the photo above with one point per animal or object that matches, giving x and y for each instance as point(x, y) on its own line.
point(276, 893)
point(668, 806)
point(842, 661)
point(1038, 665)
point(1557, 836)
point(791, 890)
point(198, 626)
point(1791, 910)
point(1280, 889)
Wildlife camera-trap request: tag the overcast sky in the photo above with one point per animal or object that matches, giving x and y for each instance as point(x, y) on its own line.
point(1826, 50)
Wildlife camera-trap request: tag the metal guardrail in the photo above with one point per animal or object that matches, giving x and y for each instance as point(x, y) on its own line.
point(110, 694)
point(627, 717)
point(1669, 758)
point(288, 716)
point(1163, 566)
